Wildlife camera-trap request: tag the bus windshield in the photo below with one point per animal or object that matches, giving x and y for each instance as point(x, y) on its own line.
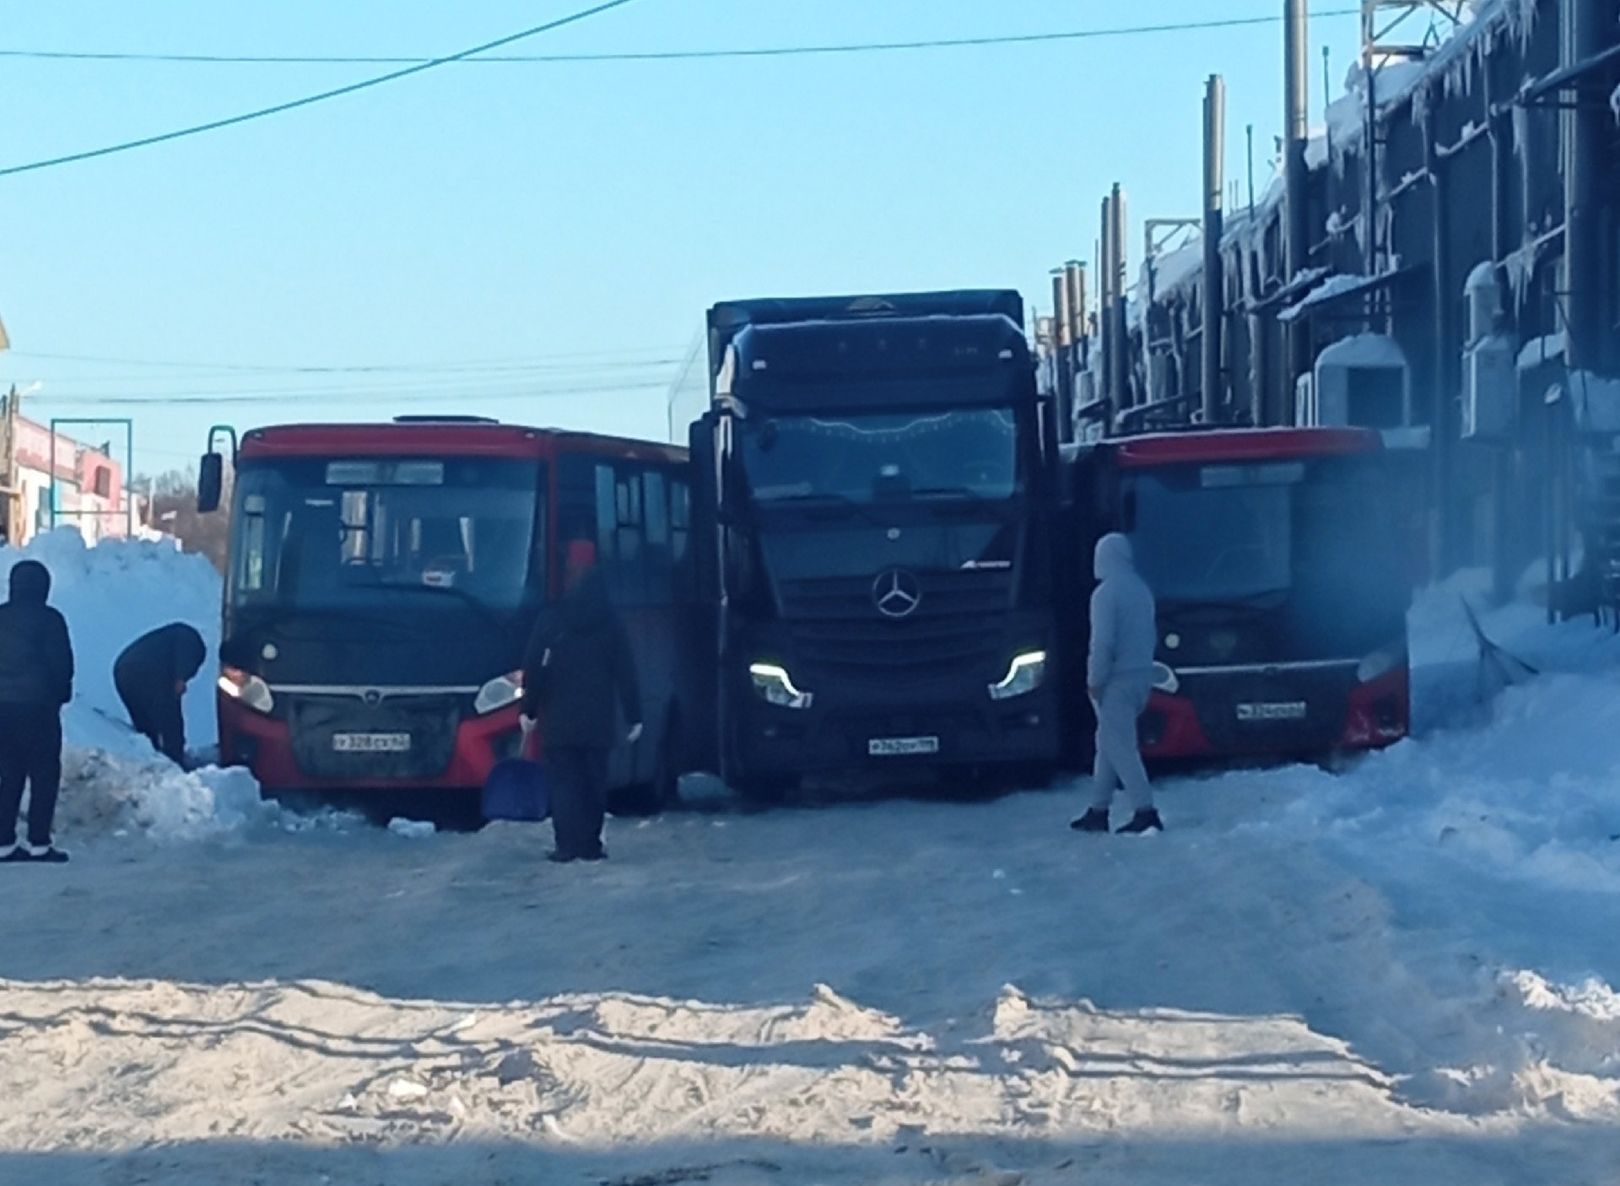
point(346, 533)
point(860, 458)
point(1319, 530)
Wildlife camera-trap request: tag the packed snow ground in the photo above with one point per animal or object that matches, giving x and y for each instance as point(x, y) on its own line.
point(1401, 973)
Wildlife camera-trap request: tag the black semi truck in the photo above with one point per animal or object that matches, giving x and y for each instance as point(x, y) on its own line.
point(872, 487)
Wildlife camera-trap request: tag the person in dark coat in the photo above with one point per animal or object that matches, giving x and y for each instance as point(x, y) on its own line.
point(36, 680)
point(577, 675)
point(151, 676)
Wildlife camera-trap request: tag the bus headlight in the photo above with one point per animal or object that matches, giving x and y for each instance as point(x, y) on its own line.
point(774, 685)
point(1165, 679)
point(499, 692)
point(247, 688)
point(1381, 662)
point(1025, 673)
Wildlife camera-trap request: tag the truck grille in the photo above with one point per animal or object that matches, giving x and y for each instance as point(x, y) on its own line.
point(944, 594)
point(430, 721)
point(916, 651)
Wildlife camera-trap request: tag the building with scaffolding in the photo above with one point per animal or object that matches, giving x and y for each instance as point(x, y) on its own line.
point(1438, 260)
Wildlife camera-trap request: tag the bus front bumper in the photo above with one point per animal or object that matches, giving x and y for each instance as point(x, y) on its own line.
point(1231, 715)
point(266, 746)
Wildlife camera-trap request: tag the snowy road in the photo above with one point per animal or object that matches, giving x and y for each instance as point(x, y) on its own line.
point(905, 992)
point(1399, 974)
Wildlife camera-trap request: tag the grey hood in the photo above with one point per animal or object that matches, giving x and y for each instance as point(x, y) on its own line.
point(1114, 557)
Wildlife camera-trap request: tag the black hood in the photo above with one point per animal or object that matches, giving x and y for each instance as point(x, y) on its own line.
point(30, 582)
point(586, 608)
point(190, 649)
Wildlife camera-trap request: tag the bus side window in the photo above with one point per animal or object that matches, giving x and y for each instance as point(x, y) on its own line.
point(657, 555)
point(632, 585)
point(680, 517)
point(607, 519)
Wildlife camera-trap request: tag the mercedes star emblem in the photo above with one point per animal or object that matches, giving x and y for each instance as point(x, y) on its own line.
point(896, 593)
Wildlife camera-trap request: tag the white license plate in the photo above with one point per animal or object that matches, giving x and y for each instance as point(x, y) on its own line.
point(895, 747)
point(1291, 710)
point(371, 743)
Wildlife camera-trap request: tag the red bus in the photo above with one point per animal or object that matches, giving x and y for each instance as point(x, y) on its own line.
point(1281, 560)
point(384, 580)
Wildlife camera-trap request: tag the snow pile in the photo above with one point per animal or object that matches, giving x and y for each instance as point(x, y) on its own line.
point(1516, 778)
point(111, 594)
point(105, 792)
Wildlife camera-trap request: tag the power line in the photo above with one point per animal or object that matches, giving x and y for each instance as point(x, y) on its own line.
point(664, 55)
point(669, 356)
point(369, 397)
point(308, 100)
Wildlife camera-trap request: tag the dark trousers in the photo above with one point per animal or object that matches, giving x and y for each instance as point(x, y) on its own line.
point(157, 716)
point(578, 776)
point(31, 755)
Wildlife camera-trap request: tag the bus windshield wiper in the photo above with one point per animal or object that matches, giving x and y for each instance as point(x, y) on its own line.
point(477, 603)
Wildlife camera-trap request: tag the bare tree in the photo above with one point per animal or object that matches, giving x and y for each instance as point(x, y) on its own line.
point(174, 510)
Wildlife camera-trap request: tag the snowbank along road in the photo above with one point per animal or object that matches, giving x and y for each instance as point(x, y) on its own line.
point(1398, 974)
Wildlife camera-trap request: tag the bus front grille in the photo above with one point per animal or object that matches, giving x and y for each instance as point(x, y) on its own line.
point(318, 722)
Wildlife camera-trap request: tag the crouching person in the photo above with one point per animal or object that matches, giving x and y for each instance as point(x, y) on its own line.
point(151, 676)
point(1119, 679)
point(36, 680)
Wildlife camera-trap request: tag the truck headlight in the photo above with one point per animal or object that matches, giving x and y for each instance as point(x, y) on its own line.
point(499, 692)
point(773, 684)
point(1165, 679)
point(247, 688)
point(1381, 662)
point(1025, 673)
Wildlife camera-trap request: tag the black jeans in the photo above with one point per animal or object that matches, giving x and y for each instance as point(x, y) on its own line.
point(157, 716)
point(578, 798)
point(31, 755)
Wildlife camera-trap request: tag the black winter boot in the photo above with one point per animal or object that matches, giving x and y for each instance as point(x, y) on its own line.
point(1144, 821)
point(1094, 820)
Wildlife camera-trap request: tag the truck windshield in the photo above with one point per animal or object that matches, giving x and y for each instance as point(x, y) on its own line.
point(859, 458)
point(1323, 530)
point(345, 533)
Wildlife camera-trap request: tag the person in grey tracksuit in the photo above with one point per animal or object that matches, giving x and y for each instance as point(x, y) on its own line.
point(1119, 678)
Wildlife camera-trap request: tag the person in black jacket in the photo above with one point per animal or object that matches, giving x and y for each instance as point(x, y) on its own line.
point(36, 680)
point(577, 674)
point(151, 676)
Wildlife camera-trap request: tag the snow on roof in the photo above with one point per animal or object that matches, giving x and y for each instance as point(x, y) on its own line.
point(1396, 81)
point(1331, 287)
point(1172, 272)
point(1363, 351)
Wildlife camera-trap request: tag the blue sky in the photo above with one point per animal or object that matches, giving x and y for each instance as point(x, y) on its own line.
point(571, 219)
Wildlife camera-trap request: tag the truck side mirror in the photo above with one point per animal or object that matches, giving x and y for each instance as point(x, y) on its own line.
point(210, 482)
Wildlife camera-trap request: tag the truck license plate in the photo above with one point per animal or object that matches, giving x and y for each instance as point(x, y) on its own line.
point(1291, 710)
point(895, 747)
point(371, 743)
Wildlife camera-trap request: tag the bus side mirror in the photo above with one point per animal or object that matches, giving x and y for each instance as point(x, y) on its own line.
point(210, 482)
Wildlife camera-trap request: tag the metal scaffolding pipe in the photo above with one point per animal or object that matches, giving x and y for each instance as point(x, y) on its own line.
point(1074, 278)
point(1581, 126)
point(1214, 280)
point(1296, 236)
point(1117, 363)
point(1105, 306)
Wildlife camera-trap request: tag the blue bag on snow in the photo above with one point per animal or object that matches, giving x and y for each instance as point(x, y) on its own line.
point(516, 790)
